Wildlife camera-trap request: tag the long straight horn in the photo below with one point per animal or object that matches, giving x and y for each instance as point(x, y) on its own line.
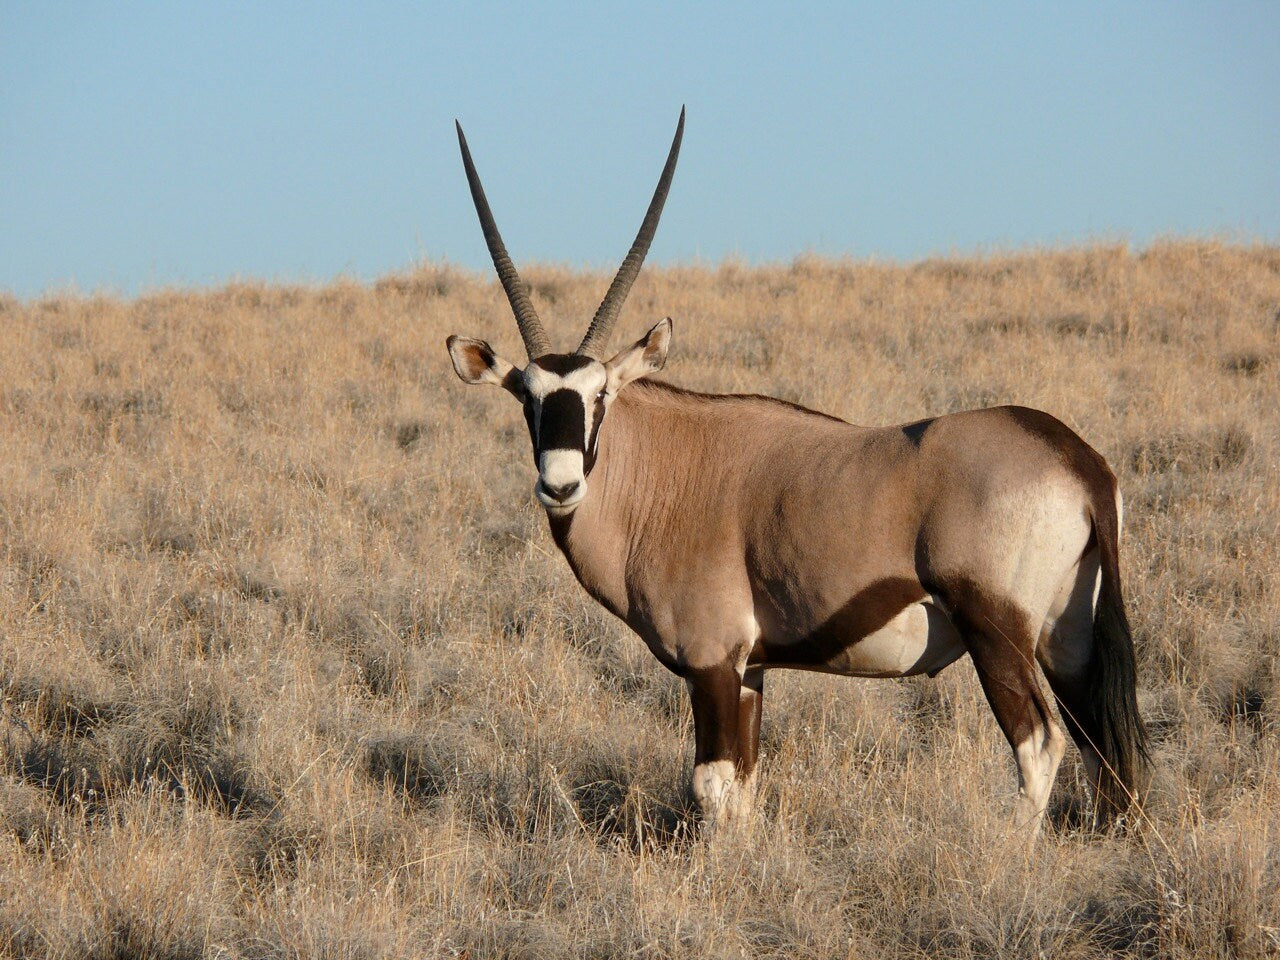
point(598, 333)
point(535, 338)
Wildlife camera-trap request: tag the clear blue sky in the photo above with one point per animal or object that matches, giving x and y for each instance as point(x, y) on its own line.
point(170, 143)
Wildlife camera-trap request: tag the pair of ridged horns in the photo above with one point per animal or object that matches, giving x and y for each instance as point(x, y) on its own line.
point(535, 337)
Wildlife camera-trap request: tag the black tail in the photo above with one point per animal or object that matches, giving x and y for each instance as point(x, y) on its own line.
point(1115, 727)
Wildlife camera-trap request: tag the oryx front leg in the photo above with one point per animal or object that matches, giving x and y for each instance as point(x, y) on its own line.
point(750, 702)
point(714, 696)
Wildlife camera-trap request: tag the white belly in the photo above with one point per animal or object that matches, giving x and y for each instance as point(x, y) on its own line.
point(920, 639)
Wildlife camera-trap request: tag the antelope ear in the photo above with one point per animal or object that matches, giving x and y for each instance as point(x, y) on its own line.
point(647, 355)
point(475, 362)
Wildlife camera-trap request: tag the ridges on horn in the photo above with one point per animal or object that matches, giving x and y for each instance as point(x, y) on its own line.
point(535, 338)
point(597, 335)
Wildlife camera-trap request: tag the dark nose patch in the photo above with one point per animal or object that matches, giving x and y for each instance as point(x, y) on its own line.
point(563, 422)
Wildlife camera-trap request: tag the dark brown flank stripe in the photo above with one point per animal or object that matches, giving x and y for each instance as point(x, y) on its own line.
point(865, 613)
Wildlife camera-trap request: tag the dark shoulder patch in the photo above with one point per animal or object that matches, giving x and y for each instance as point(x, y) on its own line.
point(915, 431)
point(563, 363)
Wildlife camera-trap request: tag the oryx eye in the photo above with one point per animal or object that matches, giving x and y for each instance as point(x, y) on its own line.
point(601, 395)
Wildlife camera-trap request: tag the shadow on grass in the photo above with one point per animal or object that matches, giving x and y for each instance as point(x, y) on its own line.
point(75, 774)
point(598, 794)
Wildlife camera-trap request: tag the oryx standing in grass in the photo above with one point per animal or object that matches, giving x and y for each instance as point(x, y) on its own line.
point(738, 533)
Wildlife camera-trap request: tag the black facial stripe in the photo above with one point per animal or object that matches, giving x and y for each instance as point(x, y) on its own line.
point(589, 460)
point(562, 423)
point(533, 428)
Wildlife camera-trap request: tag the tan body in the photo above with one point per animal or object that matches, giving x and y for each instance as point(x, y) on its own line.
point(825, 547)
point(738, 534)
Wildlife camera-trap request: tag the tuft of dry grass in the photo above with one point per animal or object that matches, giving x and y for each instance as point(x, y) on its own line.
point(290, 668)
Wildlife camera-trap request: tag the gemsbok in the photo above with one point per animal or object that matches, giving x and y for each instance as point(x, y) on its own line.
point(739, 533)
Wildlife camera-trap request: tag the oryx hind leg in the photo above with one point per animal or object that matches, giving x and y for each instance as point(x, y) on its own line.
point(1066, 653)
point(1002, 644)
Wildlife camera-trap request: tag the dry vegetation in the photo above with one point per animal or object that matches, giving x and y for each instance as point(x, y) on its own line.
point(290, 668)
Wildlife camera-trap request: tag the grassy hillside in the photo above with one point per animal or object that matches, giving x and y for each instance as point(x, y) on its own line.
point(290, 666)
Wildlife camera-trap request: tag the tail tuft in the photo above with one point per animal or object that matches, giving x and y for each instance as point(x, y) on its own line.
point(1120, 736)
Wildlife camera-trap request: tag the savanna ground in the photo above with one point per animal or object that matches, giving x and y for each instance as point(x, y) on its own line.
point(290, 667)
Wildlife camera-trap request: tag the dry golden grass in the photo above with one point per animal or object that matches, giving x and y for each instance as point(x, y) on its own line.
point(290, 667)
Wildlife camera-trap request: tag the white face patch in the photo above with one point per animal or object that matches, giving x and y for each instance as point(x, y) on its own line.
point(587, 380)
point(564, 409)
